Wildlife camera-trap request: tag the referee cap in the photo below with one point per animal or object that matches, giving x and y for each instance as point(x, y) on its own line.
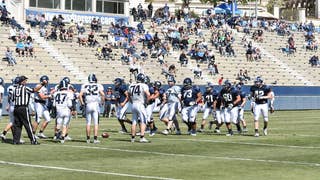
point(22, 78)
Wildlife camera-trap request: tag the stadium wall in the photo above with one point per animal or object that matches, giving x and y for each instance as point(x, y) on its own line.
point(286, 97)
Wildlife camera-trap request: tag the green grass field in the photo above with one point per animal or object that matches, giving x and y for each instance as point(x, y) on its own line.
point(290, 151)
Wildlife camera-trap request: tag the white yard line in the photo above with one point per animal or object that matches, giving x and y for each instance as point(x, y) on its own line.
point(84, 170)
point(244, 143)
point(191, 155)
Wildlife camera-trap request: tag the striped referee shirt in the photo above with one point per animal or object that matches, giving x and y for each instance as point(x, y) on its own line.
point(22, 95)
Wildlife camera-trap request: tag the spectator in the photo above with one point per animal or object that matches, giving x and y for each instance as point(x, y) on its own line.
point(94, 24)
point(150, 10)
point(106, 51)
point(230, 50)
point(183, 59)
point(20, 48)
point(13, 34)
point(9, 57)
point(110, 103)
point(91, 40)
point(197, 72)
point(246, 75)
point(314, 61)
point(29, 48)
point(82, 40)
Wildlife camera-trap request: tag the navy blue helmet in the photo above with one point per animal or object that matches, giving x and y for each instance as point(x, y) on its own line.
point(171, 79)
point(117, 81)
point(187, 82)
point(44, 77)
point(157, 84)
point(63, 84)
point(92, 78)
point(227, 84)
point(16, 80)
point(147, 80)
point(258, 81)
point(141, 78)
point(67, 80)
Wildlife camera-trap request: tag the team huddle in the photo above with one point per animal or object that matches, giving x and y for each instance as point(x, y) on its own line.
point(144, 98)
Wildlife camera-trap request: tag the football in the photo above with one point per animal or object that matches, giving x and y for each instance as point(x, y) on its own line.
point(105, 135)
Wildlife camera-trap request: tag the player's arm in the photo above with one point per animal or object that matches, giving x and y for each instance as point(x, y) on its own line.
point(155, 95)
point(199, 98)
point(39, 86)
point(238, 99)
point(101, 92)
point(147, 95)
point(244, 100)
point(126, 93)
point(268, 96)
point(81, 97)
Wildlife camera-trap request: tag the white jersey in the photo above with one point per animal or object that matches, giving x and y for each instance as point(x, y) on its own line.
point(10, 91)
point(37, 98)
point(1, 90)
point(137, 93)
point(92, 92)
point(63, 99)
point(173, 94)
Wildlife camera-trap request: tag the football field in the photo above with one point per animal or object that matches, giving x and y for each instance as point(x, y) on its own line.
point(290, 151)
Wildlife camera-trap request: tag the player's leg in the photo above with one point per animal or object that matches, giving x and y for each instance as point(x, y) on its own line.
point(192, 119)
point(227, 117)
point(242, 120)
point(46, 116)
point(9, 125)
point(134, 122)
point(88, 121)
point(95, 117)
point(256, 114)
point(234, 118)
point(206, 113)
point(143, 120)
point(38, 111)
point(264, 111)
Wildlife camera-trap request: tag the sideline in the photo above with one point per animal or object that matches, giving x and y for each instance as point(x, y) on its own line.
point(84, 170)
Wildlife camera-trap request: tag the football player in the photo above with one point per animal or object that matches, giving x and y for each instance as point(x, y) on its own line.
point(260, 94)
point(154, 95)
point(63, 102)
point(1, 95)
point(139, 96)
point(209, 97)
point(121, 93)
point(40, 103)
point(171, 106)
point(191, 96)
point(219, 112)
point(241, 105)
point(230, 99)
point(93, 93)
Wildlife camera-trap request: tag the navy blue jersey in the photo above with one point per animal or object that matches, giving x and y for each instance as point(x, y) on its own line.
point(189, 96)
point(152, 91)
point(228, 96)
point(257, 92)
point(161, 94)
point(219, 102)
point(210, 97)
point(120, 93)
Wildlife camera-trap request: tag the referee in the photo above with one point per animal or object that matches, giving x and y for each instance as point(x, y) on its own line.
point(21, 97)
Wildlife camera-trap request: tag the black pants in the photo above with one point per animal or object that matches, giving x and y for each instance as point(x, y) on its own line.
point(22, 117)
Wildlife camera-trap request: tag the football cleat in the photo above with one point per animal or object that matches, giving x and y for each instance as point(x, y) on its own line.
point(165, 132)
point(96, 141)
point(41, 135)
point(144, 140)
point(68, 138)
point(132, 140)
point(178, 132)
point(3, 137)
point(217, 131)
point(62, 141)
point(245, 130)
point(256, 134)
point(265, 131)
point(200, 130)
point(88, 141)
point(123, 131)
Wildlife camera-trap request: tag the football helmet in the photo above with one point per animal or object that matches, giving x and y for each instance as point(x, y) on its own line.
point(16, 80)
point(171, 79)
point(92, 78)
point(63, 85)
point(238, 87)
point(157, 84)
point(147, 80)
point(227, 84)
point(258, 81)
point(44, 77)
point(141, 78)
point(187, 83)
point(67, 80)
point(209, 87)
point(117, 81)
